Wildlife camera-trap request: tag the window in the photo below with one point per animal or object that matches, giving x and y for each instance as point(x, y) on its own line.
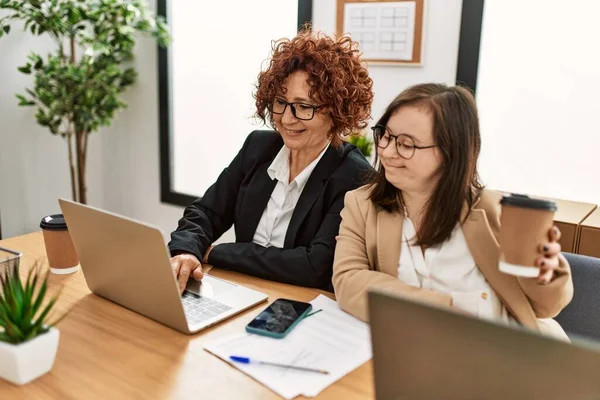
point(207, 78)
point(539, 76)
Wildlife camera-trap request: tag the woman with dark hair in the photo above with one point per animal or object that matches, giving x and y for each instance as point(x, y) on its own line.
point(426, 229)
point(284, 190)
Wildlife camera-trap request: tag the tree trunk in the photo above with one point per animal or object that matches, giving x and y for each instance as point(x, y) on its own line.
point(77, 179)
point(81, 146)
point(74, 192)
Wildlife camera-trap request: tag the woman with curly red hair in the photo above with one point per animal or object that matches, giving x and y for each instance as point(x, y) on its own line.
point(284, 191)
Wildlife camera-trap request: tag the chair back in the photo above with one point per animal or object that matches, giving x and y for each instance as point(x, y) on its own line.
point(582, 316)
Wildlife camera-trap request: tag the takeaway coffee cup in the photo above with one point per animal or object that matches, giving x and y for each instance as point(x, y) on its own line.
point(525, 223)
point(59, 247)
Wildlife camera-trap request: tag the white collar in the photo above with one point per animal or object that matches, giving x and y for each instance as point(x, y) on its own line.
point(280, 168)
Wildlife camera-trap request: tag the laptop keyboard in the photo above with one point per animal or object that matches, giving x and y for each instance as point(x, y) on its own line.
point(198, 309)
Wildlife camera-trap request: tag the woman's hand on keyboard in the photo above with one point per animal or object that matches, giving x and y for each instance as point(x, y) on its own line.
point(184, 265)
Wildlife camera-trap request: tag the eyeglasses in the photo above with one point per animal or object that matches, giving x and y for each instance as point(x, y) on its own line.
point(405, 144)
point(302, 111)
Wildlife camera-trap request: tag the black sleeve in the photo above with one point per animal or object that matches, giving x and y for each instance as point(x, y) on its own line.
point(207, 218)
point(303, 266)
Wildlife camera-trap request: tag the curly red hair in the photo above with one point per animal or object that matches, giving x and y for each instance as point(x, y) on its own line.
point(337, 76)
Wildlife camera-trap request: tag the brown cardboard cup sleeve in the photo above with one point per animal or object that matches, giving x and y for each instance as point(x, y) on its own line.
point(59, 247)
point(524, 225)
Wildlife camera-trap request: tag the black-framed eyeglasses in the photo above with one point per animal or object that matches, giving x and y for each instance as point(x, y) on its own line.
point(302, 111)
point(405, 144)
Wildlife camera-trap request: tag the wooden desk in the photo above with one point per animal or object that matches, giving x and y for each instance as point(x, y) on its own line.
point(109, 352)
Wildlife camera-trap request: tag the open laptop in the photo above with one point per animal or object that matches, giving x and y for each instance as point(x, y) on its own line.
point(424, 352)
point(127, 262)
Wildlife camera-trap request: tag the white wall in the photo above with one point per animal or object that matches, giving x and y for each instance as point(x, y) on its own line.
point(130, 150)
point(124, 159)
point(441, 37)
point(537, 93)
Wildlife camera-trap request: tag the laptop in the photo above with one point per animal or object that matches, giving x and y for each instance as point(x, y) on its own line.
point(424, 352)
point(128, 263)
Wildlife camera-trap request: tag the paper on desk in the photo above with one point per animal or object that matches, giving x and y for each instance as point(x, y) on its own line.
point(331, 340)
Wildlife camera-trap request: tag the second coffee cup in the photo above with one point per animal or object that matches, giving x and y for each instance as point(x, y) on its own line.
point(59, 247)
point(524, 226)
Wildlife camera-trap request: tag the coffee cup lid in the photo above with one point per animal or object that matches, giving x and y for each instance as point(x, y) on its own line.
point(54, 222)
point(521, 200)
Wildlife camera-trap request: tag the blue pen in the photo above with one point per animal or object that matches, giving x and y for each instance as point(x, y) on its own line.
point(246, 360)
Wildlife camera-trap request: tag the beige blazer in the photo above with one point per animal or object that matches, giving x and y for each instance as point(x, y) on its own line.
point(368, 252)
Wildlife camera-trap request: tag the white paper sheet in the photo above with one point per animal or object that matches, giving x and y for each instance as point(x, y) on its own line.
point(331, 340)
point(384, 30)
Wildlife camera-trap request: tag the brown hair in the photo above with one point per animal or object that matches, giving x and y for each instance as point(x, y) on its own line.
point(337, 77)
point(456, 132)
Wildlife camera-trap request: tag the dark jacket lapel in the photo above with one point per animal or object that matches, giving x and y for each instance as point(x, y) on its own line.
point(329, 162)
point(259, 191)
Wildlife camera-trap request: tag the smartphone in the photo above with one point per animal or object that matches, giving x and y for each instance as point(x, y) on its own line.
point(279, 318)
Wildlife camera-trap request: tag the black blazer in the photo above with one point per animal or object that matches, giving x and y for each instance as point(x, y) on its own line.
point(240, 196)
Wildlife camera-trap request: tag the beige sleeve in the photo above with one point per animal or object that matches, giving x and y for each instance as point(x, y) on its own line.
point(353, 276)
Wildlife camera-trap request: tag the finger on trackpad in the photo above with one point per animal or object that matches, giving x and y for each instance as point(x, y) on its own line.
point(194, 286)
point(200, 288)
point(208, 287)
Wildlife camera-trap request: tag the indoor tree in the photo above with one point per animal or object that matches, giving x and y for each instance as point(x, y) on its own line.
point(77, 87)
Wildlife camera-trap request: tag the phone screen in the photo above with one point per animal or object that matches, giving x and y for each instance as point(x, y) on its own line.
point(279, 316)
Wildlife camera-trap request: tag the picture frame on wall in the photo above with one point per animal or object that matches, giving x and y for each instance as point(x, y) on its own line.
point(388, 31)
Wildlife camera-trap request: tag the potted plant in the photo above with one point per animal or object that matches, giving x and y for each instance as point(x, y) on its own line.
point(77, 88)
point(363, 143)
point(28, 338)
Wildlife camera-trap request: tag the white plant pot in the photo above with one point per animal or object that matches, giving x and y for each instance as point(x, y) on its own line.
point(22, 363)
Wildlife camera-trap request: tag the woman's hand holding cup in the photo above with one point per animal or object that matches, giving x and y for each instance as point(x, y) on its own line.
point(548, 259)
point(528, 238)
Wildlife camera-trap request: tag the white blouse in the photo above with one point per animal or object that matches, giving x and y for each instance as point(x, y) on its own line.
point(276, 217)
point(450, 268)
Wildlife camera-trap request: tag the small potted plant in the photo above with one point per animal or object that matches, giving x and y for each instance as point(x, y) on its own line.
point(28, 339)
point(363, 143)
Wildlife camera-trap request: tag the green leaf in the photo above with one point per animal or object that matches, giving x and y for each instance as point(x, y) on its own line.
point(363, 143)
point(24, 102)
point(6, 29)
point(26, 69)
point(4, 337)
point(13, 330)
point(40, 296)
point(18, 296)
point(30, 285)
point(42, 317)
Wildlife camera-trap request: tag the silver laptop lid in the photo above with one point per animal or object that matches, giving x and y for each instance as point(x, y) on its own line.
point(125, 261)
point(424, 352)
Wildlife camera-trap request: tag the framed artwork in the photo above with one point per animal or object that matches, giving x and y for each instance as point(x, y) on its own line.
point(388, 31)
